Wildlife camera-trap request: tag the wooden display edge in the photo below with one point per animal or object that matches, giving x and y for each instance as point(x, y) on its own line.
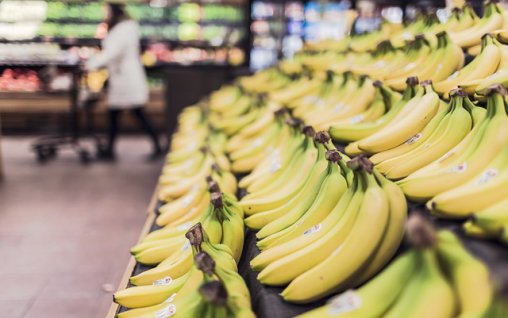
point(132, 262)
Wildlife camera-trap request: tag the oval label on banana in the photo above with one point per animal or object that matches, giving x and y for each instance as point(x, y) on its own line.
point(356, 119)
point(414, 139)
point(170, 298)
point(488, 175)
point(163, 281)
point(313, 230)
point(166, 312)
point(459, 168)
point(345, 302)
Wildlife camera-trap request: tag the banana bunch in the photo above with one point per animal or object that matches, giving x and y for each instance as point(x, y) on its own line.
point(445, 130)
point(422, 23)
point(485, 64)
point(436, 62)
point(311, 245)
point(264, 81)
point(468, 158)
point(500, 76)
point(490, 222)
point(230, 119)
point(258, 141)
point(346, 98)
point(418, 107)
point(437, 277)
point(197, 151)
point(211, 288)
point(492, 20)
point(302, 163)
point(392, 102)
point(368, 41)
point(169, 250)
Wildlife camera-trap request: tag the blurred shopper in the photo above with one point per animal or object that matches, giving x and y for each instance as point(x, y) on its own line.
point(128, 88)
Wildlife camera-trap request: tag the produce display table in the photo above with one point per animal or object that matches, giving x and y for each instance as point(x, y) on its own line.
point(266, 301)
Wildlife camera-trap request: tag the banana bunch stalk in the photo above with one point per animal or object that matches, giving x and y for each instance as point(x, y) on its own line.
point(335, 233)
point(437, 277)
point(445, 130)
point(469, 158)
point(212, 288)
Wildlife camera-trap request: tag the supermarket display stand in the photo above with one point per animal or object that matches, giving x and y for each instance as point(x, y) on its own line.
point(124, 282)
point(266, 301)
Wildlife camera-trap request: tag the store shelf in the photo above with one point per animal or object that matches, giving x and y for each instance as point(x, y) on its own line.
point(26, 63)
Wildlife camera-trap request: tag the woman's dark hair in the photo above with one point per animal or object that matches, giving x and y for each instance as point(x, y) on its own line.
point(117, 15)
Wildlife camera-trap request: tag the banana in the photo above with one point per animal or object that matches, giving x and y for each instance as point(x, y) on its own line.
point(374, 298)
point(317, 178)
point(469, 276)
point(485, 64)
point(483, 190)
point(477, 155)
point(371, 220)
point(476, 231)
point(304, 155)
point(396, 134)
point(299, 202)
point(150, 295)
point(232, 232)
point(355, 131)
point(329, 195)
point(493, 218)
point(394, 232)
point(448, 134)
point(338, 221)
point(153, 255)
point(428, 294)
point(434, 125)
point(254, 204)
point(492, 20)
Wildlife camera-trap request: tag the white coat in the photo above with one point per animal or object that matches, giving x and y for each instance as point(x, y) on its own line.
point(120, 54)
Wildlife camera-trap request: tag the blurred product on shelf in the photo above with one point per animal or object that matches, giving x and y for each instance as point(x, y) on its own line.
point(19, 80)
point(35, 53)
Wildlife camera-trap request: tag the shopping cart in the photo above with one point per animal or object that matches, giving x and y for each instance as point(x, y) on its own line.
point(84, 93)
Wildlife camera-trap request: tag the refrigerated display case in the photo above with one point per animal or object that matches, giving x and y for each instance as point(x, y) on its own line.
point(210, 30)
point(276, 28)
point(325, 20)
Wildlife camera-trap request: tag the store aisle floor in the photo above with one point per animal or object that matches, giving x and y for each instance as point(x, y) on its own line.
point(65, 229)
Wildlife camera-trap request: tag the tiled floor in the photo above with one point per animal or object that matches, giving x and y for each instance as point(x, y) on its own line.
point(65, 229)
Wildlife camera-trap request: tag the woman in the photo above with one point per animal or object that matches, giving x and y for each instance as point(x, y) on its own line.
point(128, 87)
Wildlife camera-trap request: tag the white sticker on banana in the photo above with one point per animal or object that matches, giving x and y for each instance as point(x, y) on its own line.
point(312, 230)
point(166, 281)
point(487, 176)
point(345, 302)
point(166, 312)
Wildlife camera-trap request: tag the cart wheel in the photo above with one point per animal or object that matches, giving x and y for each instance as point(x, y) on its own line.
point(84, 156)
point(41, 156)
point(51, 152)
